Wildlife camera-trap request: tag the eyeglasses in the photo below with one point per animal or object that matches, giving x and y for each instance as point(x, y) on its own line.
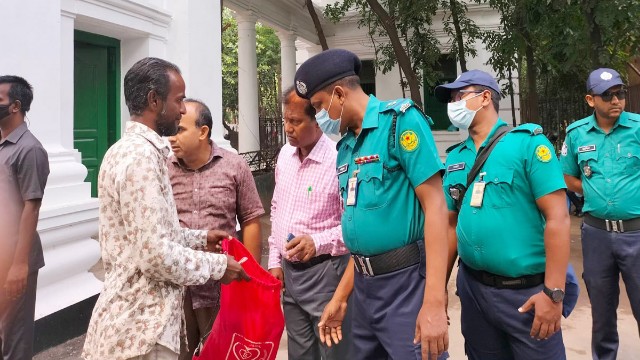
point(607, 96)
point(461, 93)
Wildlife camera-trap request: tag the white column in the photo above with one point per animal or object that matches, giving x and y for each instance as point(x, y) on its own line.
point(201, 66)
point(69, 216)
point(248, 127)
point(287, 57)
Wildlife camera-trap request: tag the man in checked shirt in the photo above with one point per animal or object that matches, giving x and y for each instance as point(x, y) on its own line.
point(306, 204)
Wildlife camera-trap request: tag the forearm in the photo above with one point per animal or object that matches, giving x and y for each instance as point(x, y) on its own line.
point(345, 287)
point(436, 245)
point(557, 244)
point(27, 231)
point(329, 241)
point(573, 183)
point(452, 238)
point(252, 237)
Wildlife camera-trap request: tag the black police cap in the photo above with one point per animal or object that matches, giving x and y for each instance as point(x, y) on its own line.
point(323, 69)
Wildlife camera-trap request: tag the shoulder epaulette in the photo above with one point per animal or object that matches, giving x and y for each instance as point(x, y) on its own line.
point(453, 147)
point(634, 116)
point(531, 128)
point(399, 106)
point(577, 124)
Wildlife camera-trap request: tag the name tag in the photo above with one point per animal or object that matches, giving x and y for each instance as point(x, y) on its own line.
point(586, 148)
point(342, 169)
point(456, 167)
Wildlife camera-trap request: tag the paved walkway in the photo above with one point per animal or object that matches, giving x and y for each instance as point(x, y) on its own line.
point(576, 329)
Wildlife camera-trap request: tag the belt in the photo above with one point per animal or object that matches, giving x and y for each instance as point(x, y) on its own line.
point(503, 282)
point(309, 264)
point(618, 226)
point(388, 262)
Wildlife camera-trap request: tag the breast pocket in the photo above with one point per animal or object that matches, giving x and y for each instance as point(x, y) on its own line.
point(588, 158)
point(498, 189)
point(371, 186)
point(629, 159)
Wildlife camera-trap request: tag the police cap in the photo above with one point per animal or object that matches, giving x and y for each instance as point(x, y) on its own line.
point(602, 80)
point(323, 69)
point(471, 77)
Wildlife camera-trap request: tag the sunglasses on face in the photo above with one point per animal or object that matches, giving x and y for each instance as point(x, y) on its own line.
point(462, 93)
point(607, 96)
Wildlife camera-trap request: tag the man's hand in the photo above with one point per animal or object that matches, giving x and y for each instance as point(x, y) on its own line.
point(234, 272)
point(301, 247)
point(432, 331)
point(547, 315)
point(214, 240)
point(278, 274)
point(16, 281)
point(330, 325)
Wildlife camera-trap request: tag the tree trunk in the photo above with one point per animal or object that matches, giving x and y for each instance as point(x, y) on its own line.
point(532, 78)
point(401, 55)
point(455, 17)
point(316, 23)
point(595, 34)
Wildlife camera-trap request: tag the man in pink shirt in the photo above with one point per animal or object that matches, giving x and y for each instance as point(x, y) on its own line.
point(306, 250)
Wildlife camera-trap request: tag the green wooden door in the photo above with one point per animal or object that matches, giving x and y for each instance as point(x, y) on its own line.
point(432, 107)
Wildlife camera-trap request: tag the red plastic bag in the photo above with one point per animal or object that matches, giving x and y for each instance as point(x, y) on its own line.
point(250, 322)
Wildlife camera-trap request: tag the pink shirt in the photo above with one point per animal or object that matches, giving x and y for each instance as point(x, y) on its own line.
point(306, 200)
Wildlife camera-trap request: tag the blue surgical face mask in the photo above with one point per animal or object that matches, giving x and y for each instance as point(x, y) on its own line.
point(328, 125)
point(460, 116)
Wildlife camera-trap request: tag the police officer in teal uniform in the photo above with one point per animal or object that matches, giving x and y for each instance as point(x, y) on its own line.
point(601, 159)
point(394, 211)
point(510, 228)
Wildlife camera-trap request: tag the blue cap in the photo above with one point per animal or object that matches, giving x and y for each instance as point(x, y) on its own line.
point(323, 69)
point(602, 80)
point(471, 77)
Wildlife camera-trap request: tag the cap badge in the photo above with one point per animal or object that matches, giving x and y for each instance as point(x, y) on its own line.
point(606, 76)
point(302, 87)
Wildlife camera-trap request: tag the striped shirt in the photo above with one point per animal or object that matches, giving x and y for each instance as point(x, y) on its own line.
point(306, 200)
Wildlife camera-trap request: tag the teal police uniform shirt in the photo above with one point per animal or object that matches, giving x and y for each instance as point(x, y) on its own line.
point(505, 235)
point(612, 161)
point(387, 214)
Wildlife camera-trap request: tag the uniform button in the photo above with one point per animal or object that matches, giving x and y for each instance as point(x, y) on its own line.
point(349, 218)
point(367, 177)
point(607, 155)
point(475, 211)
point(495, 180)
point(196, 190)
point(608, 180)
point(195, 211)
point(610, 202)
point(629, 155)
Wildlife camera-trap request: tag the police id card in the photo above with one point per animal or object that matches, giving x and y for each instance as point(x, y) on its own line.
point(478, 192)
point(352, 191)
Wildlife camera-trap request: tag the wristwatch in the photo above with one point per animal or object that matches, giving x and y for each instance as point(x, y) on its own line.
point(556, 295)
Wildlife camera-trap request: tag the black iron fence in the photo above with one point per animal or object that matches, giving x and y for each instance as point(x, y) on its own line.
point(271, 132)
point(261, 161)
point(555, 114)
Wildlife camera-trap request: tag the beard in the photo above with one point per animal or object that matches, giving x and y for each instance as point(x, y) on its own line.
point(166, 126)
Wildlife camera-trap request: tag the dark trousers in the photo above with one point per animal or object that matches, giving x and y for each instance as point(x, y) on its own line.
point(494, 329)
point(17, 322)
point(385, 310)
point(606, 255)
point(306, 294)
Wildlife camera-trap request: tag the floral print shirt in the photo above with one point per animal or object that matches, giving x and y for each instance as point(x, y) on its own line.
point(147, 256)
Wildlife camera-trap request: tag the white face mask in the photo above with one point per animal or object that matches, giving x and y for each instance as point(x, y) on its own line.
point(460, 116)
point(328, 125)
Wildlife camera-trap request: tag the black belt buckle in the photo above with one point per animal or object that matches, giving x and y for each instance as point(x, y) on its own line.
point(614, 226)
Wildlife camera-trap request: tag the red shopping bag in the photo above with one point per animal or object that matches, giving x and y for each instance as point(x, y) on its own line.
point(250, 322)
